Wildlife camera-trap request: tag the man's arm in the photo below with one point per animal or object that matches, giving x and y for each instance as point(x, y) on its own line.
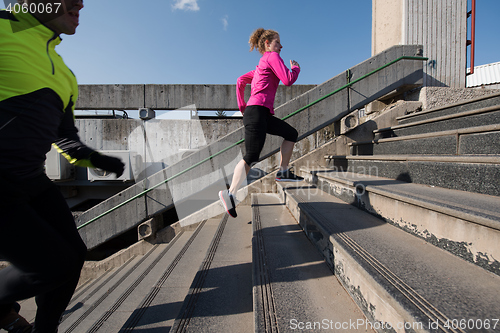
point(76, 152)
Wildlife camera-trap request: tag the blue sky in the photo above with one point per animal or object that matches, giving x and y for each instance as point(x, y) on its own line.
point(206, 41)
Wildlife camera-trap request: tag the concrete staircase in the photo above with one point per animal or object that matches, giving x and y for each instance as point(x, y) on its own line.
point(150, 291)
point(410, 221)
point(344, 251)
point(398, 280)
point(454, 147)
point(255, 273)
point(393, 71)
point(441, 185)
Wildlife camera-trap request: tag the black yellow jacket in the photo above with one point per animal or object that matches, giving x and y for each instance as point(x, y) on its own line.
point(38, 93)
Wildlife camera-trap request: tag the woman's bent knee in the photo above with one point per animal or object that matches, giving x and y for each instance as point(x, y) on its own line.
point(292, 136)
point(251, 159)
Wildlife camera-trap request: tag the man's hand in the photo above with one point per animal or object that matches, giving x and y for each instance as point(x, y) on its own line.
point(107, 163)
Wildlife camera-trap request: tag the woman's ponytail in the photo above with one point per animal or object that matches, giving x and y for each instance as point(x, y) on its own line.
point(258, 38)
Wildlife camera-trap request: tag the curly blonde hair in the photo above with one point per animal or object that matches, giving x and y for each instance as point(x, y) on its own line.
point(258, 39)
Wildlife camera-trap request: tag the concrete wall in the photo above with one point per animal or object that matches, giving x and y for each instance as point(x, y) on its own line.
point(171, 96)
point(152, 145)
point(215, 172)
point(387, 21)
point(439, 25)
point(156, 143)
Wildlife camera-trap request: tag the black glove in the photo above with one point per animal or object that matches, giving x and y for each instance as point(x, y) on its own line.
point(107, 163)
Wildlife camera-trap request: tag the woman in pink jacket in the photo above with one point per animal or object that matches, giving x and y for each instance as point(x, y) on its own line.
point(258, 112)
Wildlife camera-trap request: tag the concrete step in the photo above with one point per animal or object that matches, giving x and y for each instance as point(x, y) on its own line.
point(105, 282)
point(467, 141)
point(163, 300)
point(147, 291)
point(470, 173)
point(464, 224)
point(480, 117)
point(397, 279)
point(126, 305)
point(82, 304)
point(85, 290)
point(220, 296)
point(107, 311)
point(463, 106)
point(293, 287)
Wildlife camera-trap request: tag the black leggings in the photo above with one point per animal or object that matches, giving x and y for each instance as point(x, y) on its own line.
point(39, 238)
point(258, 122)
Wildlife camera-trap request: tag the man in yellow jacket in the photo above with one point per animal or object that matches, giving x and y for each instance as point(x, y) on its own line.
point(38, 93)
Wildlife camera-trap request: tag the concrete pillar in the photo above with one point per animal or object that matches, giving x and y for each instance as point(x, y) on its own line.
point(387, 19)
point(440, 26)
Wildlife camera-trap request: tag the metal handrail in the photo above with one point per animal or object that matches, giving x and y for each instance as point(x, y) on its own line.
point(472, 41)
point(242, 140)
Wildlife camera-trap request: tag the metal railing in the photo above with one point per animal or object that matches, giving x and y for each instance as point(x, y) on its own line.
point(243, 140)
point(472, 41)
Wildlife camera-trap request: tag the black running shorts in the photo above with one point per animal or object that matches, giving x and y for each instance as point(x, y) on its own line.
point(258, 122)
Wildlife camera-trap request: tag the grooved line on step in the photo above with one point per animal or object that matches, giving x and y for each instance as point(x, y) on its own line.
point(130, 289)
point(182, 321)
point(141, 309)
point(421, 303)
point(109, 291)
point(69, 312)
point(263, 282)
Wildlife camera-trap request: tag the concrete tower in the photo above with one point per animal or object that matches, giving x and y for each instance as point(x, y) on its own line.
point(439, 25)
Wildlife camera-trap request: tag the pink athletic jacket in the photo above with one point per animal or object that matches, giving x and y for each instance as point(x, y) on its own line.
point(264, 81)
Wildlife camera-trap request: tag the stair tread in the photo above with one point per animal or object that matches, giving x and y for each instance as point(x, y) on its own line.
point(470, 173)
point(494, 159)
point(162, 300)
point(477, 159)
point(110, 307)
point(92, 311)
point(98, 286)
point(468, 130)
point(28, 307)
point(482, 208)
point(440, 118)
point(460, 103)
point(220, 297)
point(439, 277)
point(119, 313)
point(304, 289)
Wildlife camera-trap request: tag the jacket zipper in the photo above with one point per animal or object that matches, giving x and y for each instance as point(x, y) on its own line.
point(48, 54)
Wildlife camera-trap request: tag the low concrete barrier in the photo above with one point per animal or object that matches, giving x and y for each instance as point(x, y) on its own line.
point(171, 96)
